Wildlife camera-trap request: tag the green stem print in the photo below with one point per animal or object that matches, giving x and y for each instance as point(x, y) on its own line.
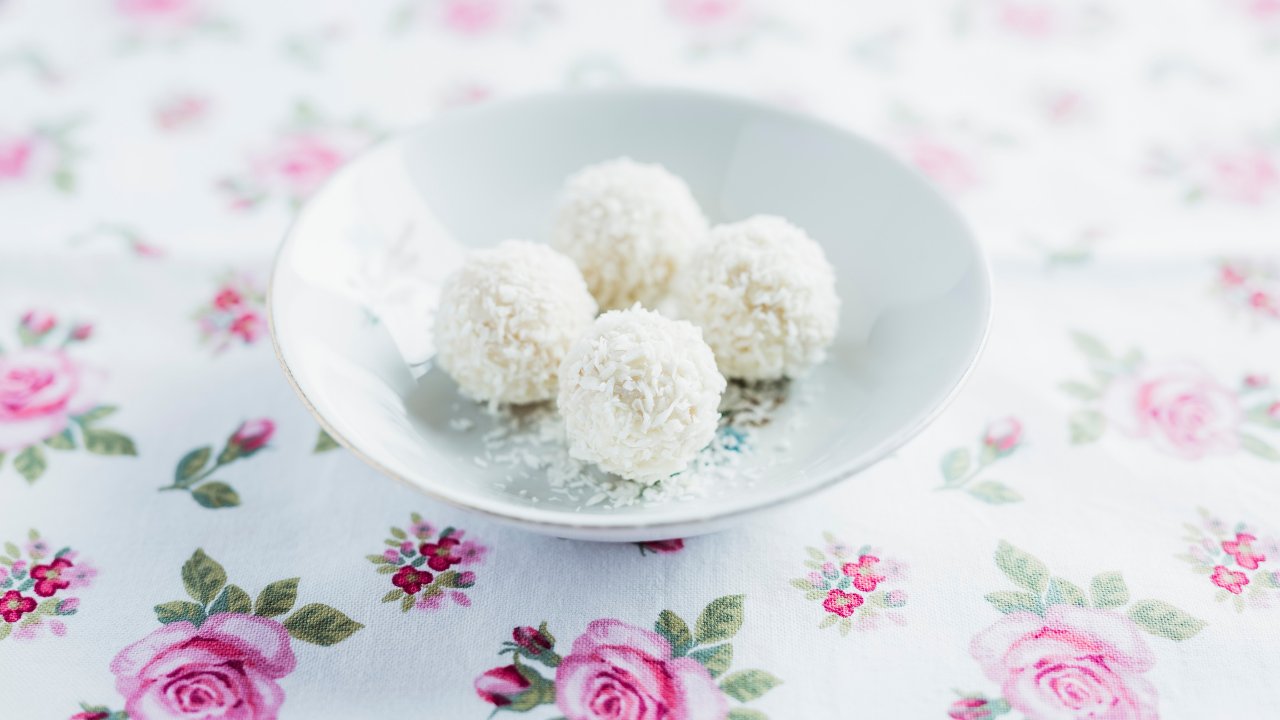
point(191, 473)
point(1000, 439)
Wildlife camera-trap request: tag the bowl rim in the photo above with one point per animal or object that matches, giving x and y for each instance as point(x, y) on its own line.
point(592, 522)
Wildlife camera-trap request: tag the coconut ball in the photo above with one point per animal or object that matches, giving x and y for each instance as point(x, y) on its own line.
point(639, 394)
point(507, 317)
point(629, 226)
point(765, 297)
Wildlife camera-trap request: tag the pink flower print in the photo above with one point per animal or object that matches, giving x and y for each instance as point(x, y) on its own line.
point(70, 604)
point(39, 391)
point(1260, 10)
point(969, 709)
point(57, 628)
point(249, 326)
point(252, 436)
point(1256, 381)
point(1199, 554)
point(15, 157)
point(90, 716)
point(664, 546)
point(4, 573)
point(622, 672)
point(37, 548)
point(20, 566)
point(945, 166)
point(391, 554)
point(49, 578)
point(839, 549)
point(181, 111)
point(471, 553)
point(39, 322)
point(406, 548)
point(1232, 275)
point(163, 12)
point(422, 530)
point(499, 685)
point(473, 17)
point(1229, 580)
point(703, 13)
point(429, 603)
point(863, 573)
point(226, 668)
point(894, 570)
point(842, 603)
point(896, 598)
point(13, 605)
point(1179, 406)
point(466, 579)
point(460, 598)
point(1072, 663)
point(1242, 552)
point(817, 579)
point(1029, 19)
point(529, 638)
point(82, 332)
point(300, 163)
point(1262, 302)
point(1246, 177)
point(228, 298)
point(1003, 435)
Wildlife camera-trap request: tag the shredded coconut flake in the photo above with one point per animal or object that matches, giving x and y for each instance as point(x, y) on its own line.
point(629, 226)
point(764, 295)
point(506, 318)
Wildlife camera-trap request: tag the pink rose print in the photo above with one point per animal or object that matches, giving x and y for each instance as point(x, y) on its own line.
point(663, 547)
point(946, 166)
point(532, 640)
point(300, 164)
point(1074, 662)
point(622, 672)
point(193, 470)
point(40, 390)
point(1178, 406)
point(252, 436)
point(181, 111)
point(228, 667)
point(1033, 20)
point(976, 708)
point(237, 313)
point(1229, 580)
point(38, 322)
point(707, 12)
point(97, 715)
point(499, 685)
point(617, 671)
point(1241, 550)
point(1003, 435)
point(863, 573)
point(473, 17)
point(1246, 177)
point(15, 157)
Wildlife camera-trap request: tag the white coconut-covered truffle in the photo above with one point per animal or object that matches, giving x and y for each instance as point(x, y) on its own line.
point(506, 318)
point(639, 394)
point(629, 226)
point(765, 297)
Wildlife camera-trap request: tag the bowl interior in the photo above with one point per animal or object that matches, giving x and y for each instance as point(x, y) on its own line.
point(358, 275)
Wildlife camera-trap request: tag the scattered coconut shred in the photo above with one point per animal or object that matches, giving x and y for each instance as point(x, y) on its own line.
point(531, 438)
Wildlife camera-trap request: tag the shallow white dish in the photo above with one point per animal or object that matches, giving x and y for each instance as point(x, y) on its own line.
point(358, 274)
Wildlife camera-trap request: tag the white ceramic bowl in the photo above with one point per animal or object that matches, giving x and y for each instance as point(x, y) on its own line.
point(360, 270)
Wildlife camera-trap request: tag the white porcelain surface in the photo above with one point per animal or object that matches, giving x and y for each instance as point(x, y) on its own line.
point(359, 271)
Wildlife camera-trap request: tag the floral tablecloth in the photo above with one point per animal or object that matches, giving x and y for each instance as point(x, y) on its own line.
point(1089, 531)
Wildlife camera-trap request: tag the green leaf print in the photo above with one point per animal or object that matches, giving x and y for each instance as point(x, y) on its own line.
point(1022, 568)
